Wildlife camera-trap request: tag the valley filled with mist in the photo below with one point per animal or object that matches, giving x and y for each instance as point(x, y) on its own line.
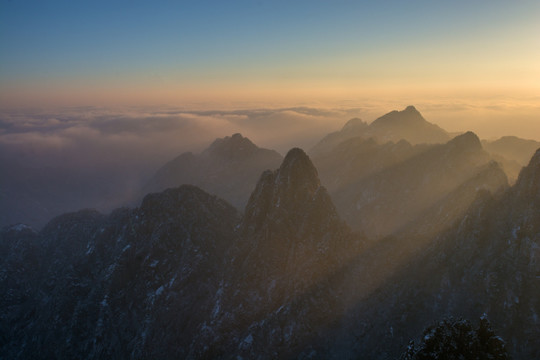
point(261, 234)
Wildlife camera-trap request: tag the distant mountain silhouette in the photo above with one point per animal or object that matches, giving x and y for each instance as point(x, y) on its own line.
point(353, 128)
point(229, 167)
point(357, 158)
point(512, 148)
point(407, 124)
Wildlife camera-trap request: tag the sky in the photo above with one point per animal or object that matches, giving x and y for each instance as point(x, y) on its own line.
point(456, 61)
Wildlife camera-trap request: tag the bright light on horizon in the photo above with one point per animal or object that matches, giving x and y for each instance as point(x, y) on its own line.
point(478, 61)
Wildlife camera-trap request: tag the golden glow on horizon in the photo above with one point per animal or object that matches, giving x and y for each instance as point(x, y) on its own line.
point(490, 109)
point(288, 92)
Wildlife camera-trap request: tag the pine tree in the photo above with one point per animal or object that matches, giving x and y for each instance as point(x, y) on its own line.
point(457, 339)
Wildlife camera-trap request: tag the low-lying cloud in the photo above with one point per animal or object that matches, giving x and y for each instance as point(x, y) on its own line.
point(144, 138)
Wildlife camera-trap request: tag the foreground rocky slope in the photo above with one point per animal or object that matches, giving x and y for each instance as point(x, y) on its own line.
point(183, 276)
point(94, 286)
point(155, 281)
point(487, 263)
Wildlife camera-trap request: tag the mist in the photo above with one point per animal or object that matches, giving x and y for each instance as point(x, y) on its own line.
point(99, 137)
point(101, 157)
point(92, 157)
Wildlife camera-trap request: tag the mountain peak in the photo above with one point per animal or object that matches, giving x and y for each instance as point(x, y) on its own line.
point(297, 170)
point(407, 116)
point(411, 108)
point(232, 147)
point(468, 140)
point(355, 124)
point(286, 193)
point(407, 124)
point(535, 160)
point(297, 178)
point(528, 183)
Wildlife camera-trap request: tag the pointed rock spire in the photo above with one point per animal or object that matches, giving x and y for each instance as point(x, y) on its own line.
point(288, 195)
point(528, 183)
point(297, 174)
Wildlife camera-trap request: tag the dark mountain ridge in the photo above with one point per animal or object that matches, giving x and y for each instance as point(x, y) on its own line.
point(513, 148)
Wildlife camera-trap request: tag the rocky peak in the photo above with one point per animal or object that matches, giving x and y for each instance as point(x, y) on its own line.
point(467, 141)
point(291, 236)
point(411, 109)
point(355, 125)
point(235, 146)
point(528, 183)
point(297, 173)
point(407, 116)
point(288, 194)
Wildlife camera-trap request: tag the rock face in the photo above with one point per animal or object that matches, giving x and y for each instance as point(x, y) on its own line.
point(291, 244)
point(528, 184)
point(107, 287)
point(291, 229)
point(229, 168)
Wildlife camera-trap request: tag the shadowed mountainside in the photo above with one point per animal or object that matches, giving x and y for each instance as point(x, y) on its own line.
point(388, 200)
point(229, 168)
point(486, 263)
point(94, 286)
point(513, 148)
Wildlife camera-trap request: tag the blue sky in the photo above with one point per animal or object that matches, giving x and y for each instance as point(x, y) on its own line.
point(175, 45)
